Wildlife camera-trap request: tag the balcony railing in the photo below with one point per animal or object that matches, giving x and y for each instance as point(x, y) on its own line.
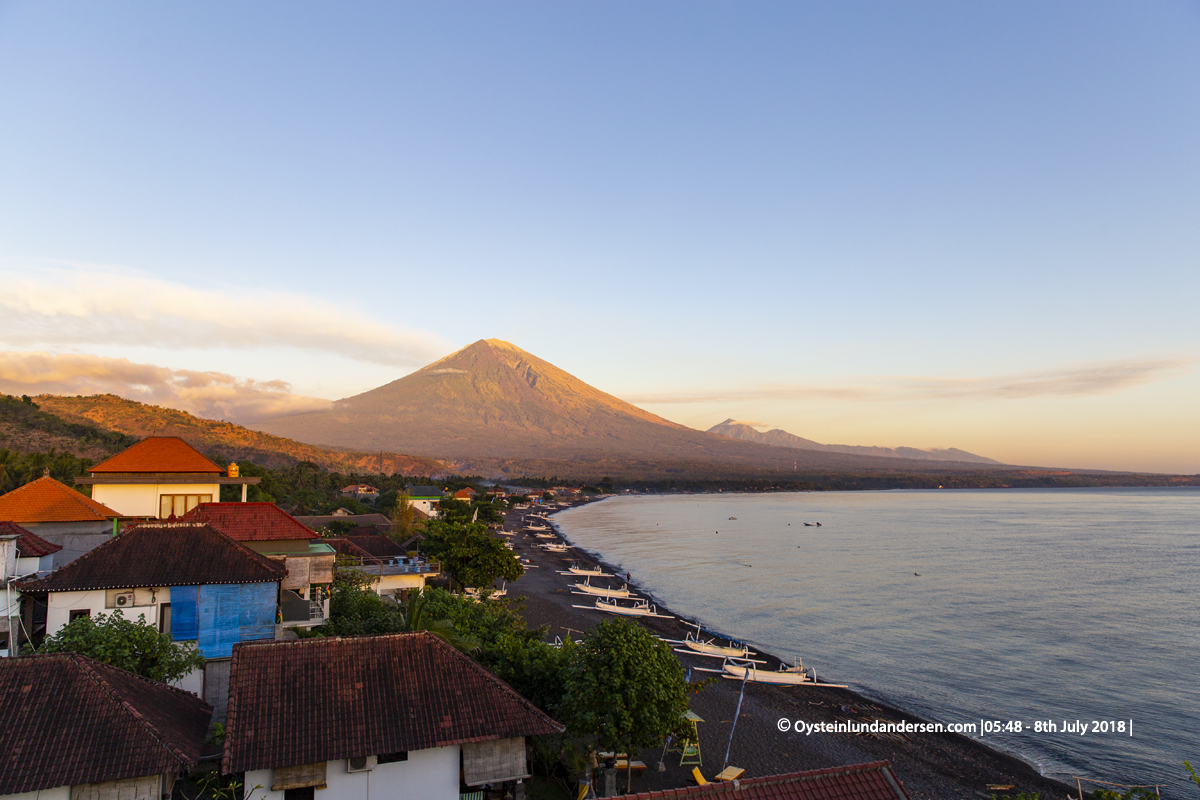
point(399, 565)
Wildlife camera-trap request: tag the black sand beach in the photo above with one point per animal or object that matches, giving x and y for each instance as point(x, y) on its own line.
point(930, 765)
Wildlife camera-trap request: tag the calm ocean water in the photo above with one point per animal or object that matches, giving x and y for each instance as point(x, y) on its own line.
point(1030, 604)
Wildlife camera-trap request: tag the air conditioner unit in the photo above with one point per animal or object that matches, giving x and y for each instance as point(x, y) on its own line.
point(124, 599)
point(361, 764)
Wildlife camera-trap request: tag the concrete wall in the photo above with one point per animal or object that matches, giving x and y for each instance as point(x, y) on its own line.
point(57, 793)
point(76, 538)
point(427, 775)
point(142, 499)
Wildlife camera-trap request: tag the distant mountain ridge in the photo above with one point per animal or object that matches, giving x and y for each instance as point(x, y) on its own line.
point(781, 438)
point(224, 439)
point(491, 403)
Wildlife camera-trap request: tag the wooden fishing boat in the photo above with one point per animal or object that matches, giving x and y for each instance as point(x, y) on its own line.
point(556, 548)
point(595, 572)
point(640, 608)
point(587, 588)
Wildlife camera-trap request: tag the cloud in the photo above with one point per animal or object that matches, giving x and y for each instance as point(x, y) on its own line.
point(85, 304)
point(213, 395)
point(1078, 381)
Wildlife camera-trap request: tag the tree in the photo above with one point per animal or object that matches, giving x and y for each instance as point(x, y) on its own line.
point(402, 519)
point(468, 554)
point(625, 688)
point(134, 646)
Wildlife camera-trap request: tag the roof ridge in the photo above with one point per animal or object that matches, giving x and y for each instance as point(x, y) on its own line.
point(271, 563)
point(138, 717)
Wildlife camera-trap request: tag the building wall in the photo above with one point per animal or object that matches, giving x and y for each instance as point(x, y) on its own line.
point(390, 584)
point(57, 793)
point(76, 538)
point(427, 775)
point(141, 499)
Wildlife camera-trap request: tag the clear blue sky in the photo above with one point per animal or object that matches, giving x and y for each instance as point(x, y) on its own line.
point(970, 224)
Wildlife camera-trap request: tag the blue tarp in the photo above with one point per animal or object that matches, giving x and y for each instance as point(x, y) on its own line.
point(258, 610)
point(220, 619)
point(183, 613)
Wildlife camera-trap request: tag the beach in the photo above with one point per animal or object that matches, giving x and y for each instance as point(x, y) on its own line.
point(931, 765)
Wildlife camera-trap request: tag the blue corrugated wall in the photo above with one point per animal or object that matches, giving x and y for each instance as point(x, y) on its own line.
point(234, 613)
point(184, 626)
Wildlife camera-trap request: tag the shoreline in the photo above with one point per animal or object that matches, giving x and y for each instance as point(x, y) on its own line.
point(942, 765)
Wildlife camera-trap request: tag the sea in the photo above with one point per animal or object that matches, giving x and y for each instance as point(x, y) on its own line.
point(1074, 612)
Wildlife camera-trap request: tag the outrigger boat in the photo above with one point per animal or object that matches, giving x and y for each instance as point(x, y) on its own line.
point(558, 547)
point(593, 572)
point(546, 535)
point(537, 528)
point(697, 646)
point(795, 675)
point(640, 608)
point(587, 588)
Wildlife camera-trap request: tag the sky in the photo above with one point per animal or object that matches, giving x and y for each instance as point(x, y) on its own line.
point(971, 225)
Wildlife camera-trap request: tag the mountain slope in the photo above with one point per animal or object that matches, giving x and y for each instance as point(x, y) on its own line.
point(492, 400)
point(780, 438)
point(224, 439)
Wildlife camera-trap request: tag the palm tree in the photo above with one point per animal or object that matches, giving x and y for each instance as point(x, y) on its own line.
point(413, 615)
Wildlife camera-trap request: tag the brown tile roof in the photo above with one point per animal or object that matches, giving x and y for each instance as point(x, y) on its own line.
point(251, 522)
point(47, 500)
point(158, 454)
point(67, 719)
point(874, 781)
point(29, 545)
point(162, 554)
point(298, 702)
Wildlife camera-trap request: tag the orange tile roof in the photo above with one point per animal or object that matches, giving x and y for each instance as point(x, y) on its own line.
point(29, 545)
point(158, 454)
point(47, 500)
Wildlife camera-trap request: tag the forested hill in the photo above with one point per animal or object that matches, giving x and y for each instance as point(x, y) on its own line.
point(222, 441)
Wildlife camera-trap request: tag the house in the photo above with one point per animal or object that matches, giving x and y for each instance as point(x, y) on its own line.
point(360, 491)
point(405, 712)
point(268, 529)
point(466, 495)
point(424, 498)
point(74, 729)
point(160, 477)
point(186, 578)
point(60, 515)
point(874, 781)
point(392, 569)
point(22, 555)
point(359, 520)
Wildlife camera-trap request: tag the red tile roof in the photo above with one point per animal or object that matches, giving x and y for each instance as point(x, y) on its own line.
point(67, 720)
point(162, 554)
point(874, 781)
point(251, 522)
point(158, 454)
point(47, 500)
point(29, 545)
point(298, 702)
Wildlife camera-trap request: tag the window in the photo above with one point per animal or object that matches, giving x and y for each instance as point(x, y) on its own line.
point(179, 504)
point(391, 758)
point(164, 618)
point(79, 612)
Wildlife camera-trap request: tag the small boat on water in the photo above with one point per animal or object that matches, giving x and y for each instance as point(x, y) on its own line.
point(812, 524)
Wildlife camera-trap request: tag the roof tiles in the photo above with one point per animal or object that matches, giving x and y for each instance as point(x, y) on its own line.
point(162, 554)
point(158, 454)
point(68, 720)
point(251, 522)
point(298, 702)
point(29, 545)
point(873, 781)
point(47, 500)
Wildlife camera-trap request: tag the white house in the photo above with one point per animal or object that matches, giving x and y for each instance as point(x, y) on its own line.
point(402, 716)
point(160, 477)
point(425, 499)
point(22, 556)
point(185, 578)
point(77, 729)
